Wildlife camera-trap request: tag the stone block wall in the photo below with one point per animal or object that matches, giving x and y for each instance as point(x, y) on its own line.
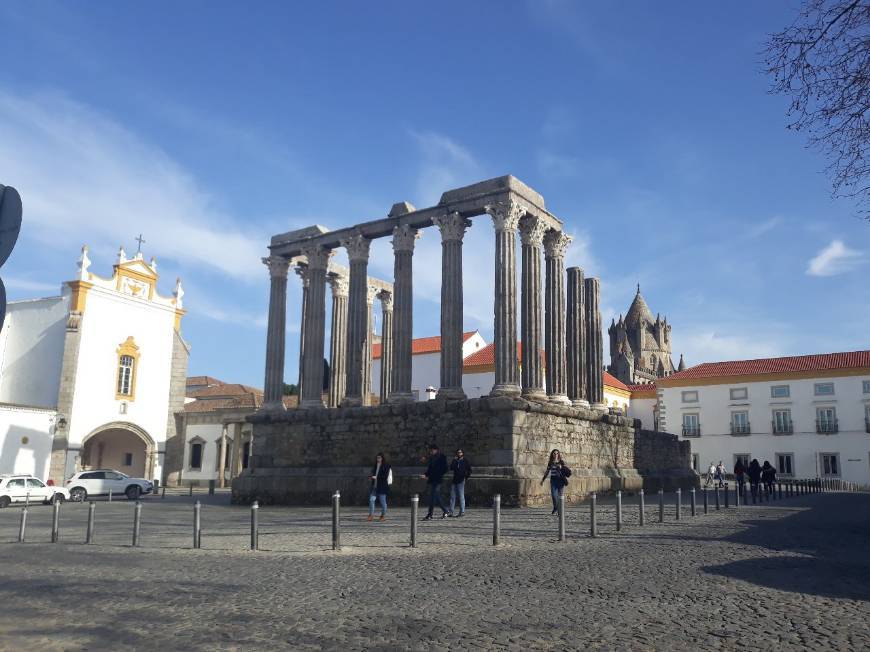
point(302, 456)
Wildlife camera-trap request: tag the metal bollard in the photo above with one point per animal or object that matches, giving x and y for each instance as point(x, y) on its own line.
point(496, 519)
point(163, 492)
point(27, 499)
point(727, 497)
point(661, 505)
point(779, 490)
point(718, 507)
point(190, 493)
point(211, 485)
point(110, 495)
point(706, 502)
point(415, 506)
point(562, 515)
point(618, 511)
point(55, 523)
point(255, 525)
point(336, 524)
point(197, 510)
point(737, 495)
point(593, 527)
point(640, 503)
point(92, 515)
point(22, 525)
point(137, 520)
point(679, 504)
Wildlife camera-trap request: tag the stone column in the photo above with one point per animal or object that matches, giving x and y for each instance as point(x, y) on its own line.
point(555, 243)
point(505, 219)
point(386, 298)
point(452, 227)
point(594, 344)
point(222, 462)
point(404, 238)
point(273, 387)
point(371, 293)
point(358, 254)
point(301, 270)
point(338, 338)
point(532, 235)
point(236, 465)
point(315, 328)
point(576, 339)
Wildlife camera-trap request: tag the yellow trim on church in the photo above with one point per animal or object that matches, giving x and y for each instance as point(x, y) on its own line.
point(179, 313)
point(127, 348)
point(79, 295)
point(122, 271)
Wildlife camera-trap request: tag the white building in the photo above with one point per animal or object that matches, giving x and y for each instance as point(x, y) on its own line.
point(94, 377)
point(808, 415)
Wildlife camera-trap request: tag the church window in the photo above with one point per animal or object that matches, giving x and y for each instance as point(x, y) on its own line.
point(128, 459)
point(779, 391)
point(196, 455)
point(738, 393)
point(128, 359)
point(690, 397)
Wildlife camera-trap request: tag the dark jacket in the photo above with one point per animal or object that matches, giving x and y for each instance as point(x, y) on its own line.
point(380, 484)
point(561, 479)
point(461, 470)
point(739, 470)
point(754, 472)
point(768, 474)
point(436, 469)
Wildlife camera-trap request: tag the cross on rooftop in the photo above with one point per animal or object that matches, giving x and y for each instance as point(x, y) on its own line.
point(141, 241)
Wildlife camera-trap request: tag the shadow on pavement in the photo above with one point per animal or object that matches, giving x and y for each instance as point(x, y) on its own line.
point(825, 548)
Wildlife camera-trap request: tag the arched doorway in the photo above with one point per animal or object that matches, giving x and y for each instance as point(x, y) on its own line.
point(120, 446)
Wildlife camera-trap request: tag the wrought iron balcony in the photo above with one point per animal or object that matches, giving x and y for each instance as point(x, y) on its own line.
point(740, 428)
point(692, 431)
point(782, 428)
point(827, 426)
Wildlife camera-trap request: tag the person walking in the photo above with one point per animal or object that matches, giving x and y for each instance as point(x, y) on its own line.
point(711, 474)
point(754, 474)
point(739, 476)
point(720, 473)
point(434, 474)
point(461, 472)
point(381, 478)
point(558, 472)
point(768, 477)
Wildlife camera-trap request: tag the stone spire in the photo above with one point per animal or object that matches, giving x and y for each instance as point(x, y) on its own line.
point(682, 365)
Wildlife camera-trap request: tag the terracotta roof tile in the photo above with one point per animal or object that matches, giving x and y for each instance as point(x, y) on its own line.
point(613, 381)
point(203, 380)
point(642, 387)
point(816, 362)
point(225, 390)
point(422, 345)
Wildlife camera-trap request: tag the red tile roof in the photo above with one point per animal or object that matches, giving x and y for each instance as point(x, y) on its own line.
point(486, 356)
point(817, 362)
point(228, 390)
point(208, 381)
point(422, 345)
point(613, 381)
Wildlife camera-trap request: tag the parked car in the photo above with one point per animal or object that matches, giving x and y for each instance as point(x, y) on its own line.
point(102, 481)
point(24, 488)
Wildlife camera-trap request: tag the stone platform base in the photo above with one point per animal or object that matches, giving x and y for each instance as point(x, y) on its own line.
point(302, 456)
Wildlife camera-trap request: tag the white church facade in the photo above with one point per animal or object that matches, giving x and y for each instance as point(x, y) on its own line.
point(94, 377)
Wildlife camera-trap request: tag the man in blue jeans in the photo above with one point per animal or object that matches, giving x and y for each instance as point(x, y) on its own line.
point(461, 470)
point(434, 474)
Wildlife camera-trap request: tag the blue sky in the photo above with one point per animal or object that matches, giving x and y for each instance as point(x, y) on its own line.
point(209, 126)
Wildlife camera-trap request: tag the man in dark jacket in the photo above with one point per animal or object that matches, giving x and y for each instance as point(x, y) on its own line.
point(434, 474)
point(461, 470)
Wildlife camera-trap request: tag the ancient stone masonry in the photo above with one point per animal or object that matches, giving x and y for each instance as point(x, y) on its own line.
point(510, 432)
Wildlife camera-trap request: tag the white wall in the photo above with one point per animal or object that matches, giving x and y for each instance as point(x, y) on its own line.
point(716, 442)
point(613, 399)
point(479, 384)
point(643, 409)
point(32, 351)
point(211, 433)
point(25, 440)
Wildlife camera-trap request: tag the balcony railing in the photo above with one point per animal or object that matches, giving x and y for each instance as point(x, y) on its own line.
point(740, 428)
point(827, 426)
point(781, 428)
point(692, 431)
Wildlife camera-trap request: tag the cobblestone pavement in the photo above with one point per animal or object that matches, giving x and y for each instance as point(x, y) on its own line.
point(784, 575)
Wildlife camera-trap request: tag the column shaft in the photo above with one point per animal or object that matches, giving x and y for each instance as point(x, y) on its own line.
point(532, 234)
point(555, 243)
point(369, 341)
point(452, 227)
point(594, 344)
point(274, 382)
point(576, 339)
point(222, 462)
point(404, 238)
point(505, 219)
point(338, 339)
point(315, 329)
point(357, 317)
point(386, 298)
point(302, 273)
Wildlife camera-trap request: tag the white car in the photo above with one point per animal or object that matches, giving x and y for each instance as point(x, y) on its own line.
point(100, 482)
point(25, 488)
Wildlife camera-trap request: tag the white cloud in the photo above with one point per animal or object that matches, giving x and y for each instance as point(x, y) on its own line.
point(444, 164)
point(27, 285)
point(834, 259)
point(85, 178)
point(708, 345)
point(203, 307)
point(764, 227)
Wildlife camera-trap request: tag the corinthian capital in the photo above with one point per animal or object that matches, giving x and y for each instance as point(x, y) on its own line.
point(301, 270)
point(532, 230)
point(277, 265)
point(452, 226)
point(404, 237)
point(555, 243)
point(339, 284)
point(318, 257)
point(505, 215)
point(357, 248)
point(386, 298)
